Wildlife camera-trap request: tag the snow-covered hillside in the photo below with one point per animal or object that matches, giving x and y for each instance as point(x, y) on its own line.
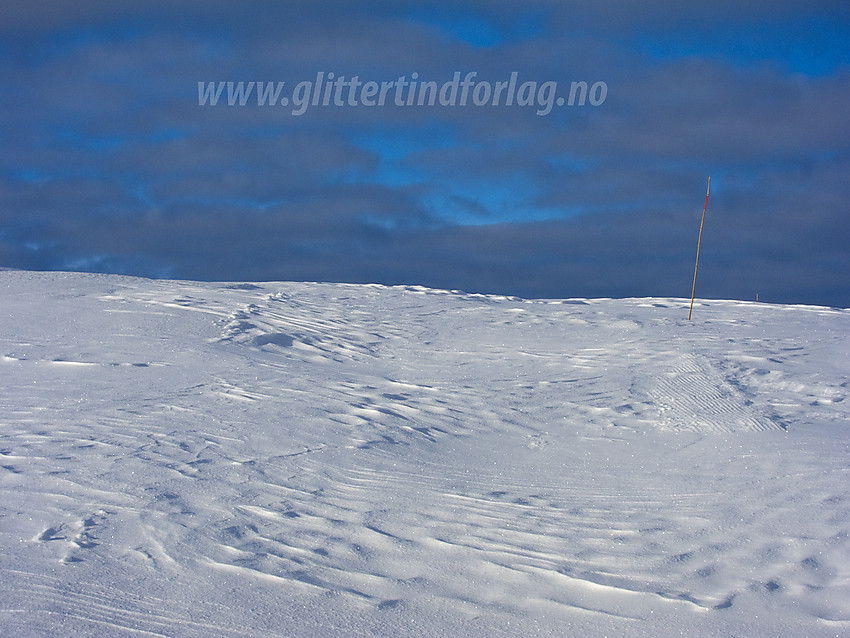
point(286, 459)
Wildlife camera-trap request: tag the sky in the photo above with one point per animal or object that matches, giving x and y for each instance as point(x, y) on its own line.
point(111, 161)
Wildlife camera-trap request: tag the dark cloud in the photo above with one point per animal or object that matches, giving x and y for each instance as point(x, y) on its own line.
point(109, 163)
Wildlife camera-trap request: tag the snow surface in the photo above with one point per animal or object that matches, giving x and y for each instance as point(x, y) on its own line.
point(287, 459)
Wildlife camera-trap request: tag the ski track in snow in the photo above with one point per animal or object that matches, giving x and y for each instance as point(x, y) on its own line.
point(188, 459)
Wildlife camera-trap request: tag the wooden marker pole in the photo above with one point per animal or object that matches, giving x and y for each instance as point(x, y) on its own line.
point(699, 240)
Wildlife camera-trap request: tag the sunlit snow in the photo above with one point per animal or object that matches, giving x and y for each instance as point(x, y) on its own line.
point(293, 459)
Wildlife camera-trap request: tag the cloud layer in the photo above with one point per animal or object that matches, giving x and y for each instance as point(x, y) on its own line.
point(109, 163)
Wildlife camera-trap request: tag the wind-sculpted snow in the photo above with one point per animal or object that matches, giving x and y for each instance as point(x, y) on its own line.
point(283, 459)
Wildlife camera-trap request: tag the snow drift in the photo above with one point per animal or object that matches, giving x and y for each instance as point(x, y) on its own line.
point(203, 459)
